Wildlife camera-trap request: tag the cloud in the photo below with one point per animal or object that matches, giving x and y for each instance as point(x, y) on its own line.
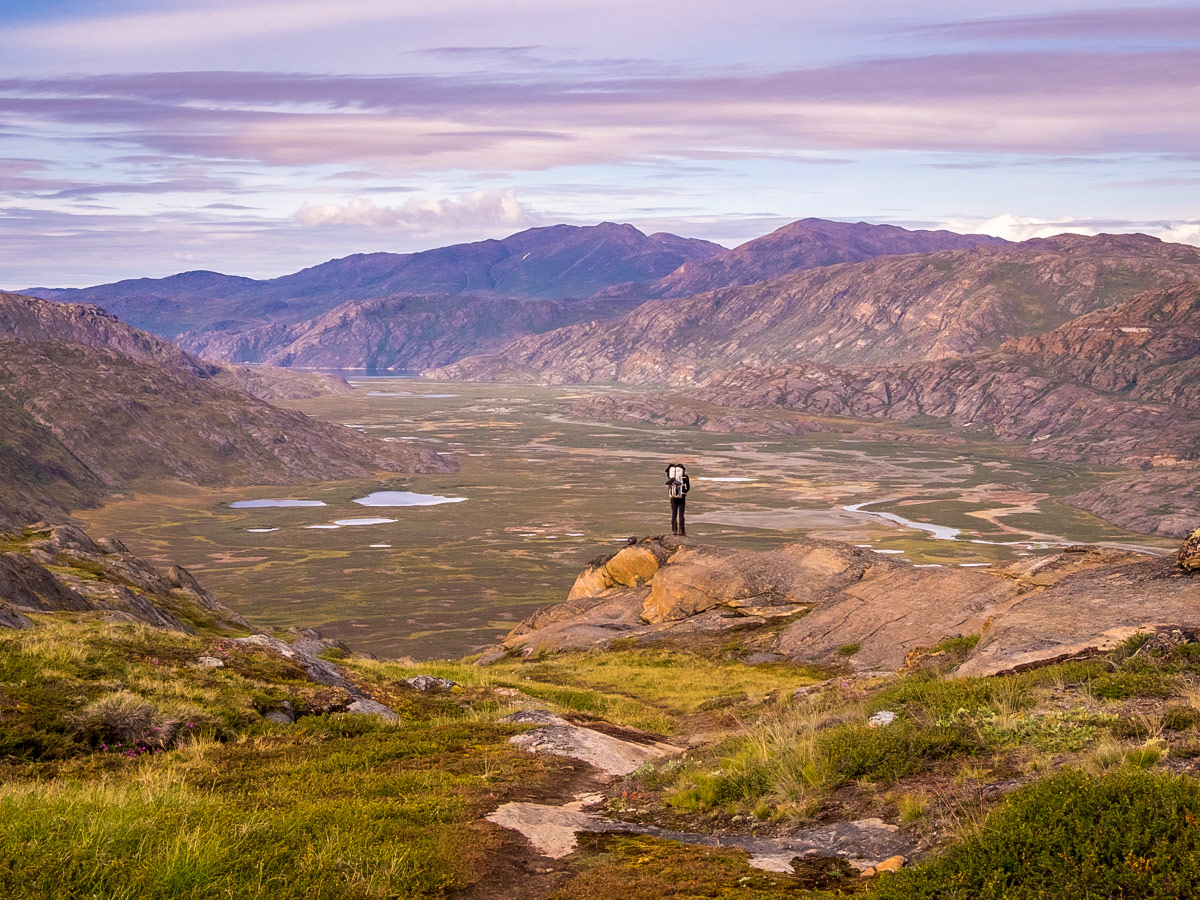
point(1022, 228)
point(477, 209)
point(1182, 233)
point(1039, 103)
point(213, 22)
point(1172, 24)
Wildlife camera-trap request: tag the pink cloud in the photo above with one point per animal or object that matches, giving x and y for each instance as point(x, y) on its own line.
point(1044, 103)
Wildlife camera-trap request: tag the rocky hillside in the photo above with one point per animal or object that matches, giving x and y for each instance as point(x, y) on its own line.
point(270, 383)
point(401, 332)
point(1116, 386)
point(556, 262)
point(883, 311)
point(806, 244)
point(35, 321)
point(80, 419)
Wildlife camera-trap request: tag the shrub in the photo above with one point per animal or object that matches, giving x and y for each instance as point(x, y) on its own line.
point(853, 752)
point(1130, 834)
point(1123, 685)
point(929, 696)
point(127, 723)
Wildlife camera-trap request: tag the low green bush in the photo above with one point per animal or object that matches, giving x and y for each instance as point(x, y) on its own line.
point(860, 752)
point(1125, 684)
point(1131, 834)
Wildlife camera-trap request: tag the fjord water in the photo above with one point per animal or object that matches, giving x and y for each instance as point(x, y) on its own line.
point(453, 561)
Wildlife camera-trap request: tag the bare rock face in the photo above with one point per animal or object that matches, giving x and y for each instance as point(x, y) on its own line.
point(630, 567)
point(609, 753)
point(1163, 502)
point(10, 618)
point(674, 590)
point(866, 844)
point(779, 582)
point(1188, 556)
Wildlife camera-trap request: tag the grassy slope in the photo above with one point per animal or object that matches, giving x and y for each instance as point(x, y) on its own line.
point(342, 806)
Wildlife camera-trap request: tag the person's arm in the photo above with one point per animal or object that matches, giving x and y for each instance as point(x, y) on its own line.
point(687, 483)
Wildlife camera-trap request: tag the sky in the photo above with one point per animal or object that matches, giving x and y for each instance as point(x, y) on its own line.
point(139, 138)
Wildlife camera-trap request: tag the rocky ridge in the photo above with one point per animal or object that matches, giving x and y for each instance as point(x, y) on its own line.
point(885, 311)
point(553, 262)
point(399, 332)
point(804, 244)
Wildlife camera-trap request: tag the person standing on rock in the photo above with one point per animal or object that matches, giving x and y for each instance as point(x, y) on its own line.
point(678, 485)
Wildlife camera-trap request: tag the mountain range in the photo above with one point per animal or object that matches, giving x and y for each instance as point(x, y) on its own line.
point(434, 307)
point(893, 309)
point(1079, 348)
point(555, 262)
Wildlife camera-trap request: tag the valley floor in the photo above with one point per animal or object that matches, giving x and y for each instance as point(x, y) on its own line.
point(545, 491)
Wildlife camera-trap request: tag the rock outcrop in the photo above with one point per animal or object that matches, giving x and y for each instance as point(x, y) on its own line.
point(669, 588)
point(613, 754)
point(59, 568)
point(1188, 557)
point(1087, 612)
point(839, 604)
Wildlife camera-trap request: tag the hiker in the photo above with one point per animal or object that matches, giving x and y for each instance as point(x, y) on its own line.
point(678, 485)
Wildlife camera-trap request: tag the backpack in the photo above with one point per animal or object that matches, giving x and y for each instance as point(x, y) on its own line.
point(677, 484)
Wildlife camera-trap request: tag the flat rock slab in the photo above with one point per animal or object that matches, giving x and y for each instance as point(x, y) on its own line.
point(1088, 612)
point(896, 610)
point(558, 737)
point(553, 831)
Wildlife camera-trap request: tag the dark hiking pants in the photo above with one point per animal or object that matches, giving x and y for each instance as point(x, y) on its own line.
point(677, 524)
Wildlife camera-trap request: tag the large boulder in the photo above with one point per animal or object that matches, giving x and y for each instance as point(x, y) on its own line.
point(770, 583)
point(1189, 554)
point(629, 567)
